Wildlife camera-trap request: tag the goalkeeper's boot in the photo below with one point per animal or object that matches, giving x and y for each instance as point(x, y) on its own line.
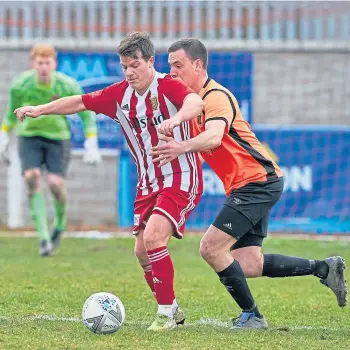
point(249, 320)
point(45, 248)
point(56, 237)
point(162, 323)
point(335, 279)
point(179, 316)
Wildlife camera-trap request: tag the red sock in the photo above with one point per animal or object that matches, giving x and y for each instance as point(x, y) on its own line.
point(148, 277)
point(163, 275)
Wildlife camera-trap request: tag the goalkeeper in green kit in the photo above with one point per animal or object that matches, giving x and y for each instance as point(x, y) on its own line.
point(44, 142)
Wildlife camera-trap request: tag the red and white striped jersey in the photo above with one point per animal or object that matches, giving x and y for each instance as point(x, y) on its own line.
point(139, 117)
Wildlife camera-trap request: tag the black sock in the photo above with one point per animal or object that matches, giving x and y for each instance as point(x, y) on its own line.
point(321, 269)
point(276, 265)
point(236, 284)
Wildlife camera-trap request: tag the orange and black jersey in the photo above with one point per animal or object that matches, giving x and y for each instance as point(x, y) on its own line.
point(241, 158)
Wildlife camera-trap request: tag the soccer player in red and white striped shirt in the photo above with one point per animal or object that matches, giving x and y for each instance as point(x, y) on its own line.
point(165, 195)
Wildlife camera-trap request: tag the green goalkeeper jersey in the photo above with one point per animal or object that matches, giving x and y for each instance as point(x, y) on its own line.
point(26, 90)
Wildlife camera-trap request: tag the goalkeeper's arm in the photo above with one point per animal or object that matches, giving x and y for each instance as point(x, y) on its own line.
point(9, 121)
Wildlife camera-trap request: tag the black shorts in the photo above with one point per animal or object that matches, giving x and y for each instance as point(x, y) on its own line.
point(246, 212)
point(41, 152)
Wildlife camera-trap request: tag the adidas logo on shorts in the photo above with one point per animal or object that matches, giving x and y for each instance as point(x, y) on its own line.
point(237, 200)
point(228, 225)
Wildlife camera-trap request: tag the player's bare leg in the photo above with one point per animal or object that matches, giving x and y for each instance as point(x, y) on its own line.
point(330, 270)
point(214, 249)
point(156, 235)
point(59, 193)
point(252, 263)
point(142, 257)
point(38, 209)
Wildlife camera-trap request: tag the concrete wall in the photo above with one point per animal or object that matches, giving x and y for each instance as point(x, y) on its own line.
point(290, 88)
point(302, 88)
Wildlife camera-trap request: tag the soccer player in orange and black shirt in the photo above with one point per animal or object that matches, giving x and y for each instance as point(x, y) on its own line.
point(253, 183)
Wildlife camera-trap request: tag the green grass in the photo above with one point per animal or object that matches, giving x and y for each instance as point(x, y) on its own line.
point(302, 314)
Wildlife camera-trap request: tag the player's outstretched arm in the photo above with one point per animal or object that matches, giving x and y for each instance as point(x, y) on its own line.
point(192, 106)
point(64, 106)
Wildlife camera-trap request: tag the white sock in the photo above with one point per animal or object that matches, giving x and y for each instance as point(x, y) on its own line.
point(166, 310)
point(175, 306)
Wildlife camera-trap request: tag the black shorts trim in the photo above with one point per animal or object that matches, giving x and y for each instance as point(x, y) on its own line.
point(248, 240)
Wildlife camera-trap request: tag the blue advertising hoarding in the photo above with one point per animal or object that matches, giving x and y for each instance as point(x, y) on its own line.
point(316, 167)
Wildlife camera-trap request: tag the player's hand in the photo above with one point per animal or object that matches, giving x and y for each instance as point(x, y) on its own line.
point(166, 152)
point(4, 147)
point(27, 111)
point(167, 126)
point(92, 154)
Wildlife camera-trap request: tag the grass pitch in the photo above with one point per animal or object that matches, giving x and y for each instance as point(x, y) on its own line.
point(41, 299)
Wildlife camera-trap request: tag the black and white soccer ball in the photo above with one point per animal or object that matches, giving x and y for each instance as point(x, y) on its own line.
point(103, 313)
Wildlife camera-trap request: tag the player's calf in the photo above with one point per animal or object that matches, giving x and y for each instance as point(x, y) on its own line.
point(277, 265)
point(38, 210)
point(214, 249)
point(58, 190)
point(250, 259)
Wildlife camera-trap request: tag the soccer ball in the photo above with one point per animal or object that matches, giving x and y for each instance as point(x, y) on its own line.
point(103, 313)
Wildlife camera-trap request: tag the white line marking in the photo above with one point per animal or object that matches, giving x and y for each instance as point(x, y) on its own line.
point(200, 322)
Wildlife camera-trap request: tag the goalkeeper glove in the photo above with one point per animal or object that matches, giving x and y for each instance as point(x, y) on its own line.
point(4, 147)
point(92, 153)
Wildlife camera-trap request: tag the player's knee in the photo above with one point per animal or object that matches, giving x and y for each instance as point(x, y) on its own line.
point(32, 179)
point(153, 241)
point(207, 251)
point(154, 238)
point(141, 255)
point(58, 191)
point(57, 188)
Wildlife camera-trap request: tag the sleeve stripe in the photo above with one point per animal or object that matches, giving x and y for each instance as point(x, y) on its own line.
point(228, 96)
point(217, 118)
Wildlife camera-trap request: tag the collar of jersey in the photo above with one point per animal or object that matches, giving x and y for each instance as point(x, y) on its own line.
point(46, 86)
point(156, 76)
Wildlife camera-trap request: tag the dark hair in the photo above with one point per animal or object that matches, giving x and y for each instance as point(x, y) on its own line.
point(135, 43)
point(194, 49)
